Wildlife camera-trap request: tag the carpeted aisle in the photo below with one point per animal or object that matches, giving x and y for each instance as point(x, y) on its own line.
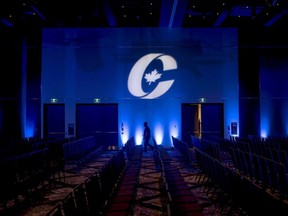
point(148, 199)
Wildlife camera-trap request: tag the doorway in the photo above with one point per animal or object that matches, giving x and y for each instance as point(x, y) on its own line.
point(54, 121)
point(202, 120)
point(98, 120)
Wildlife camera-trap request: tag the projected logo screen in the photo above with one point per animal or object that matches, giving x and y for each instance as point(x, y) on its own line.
point(146, 79)
point(135, 63)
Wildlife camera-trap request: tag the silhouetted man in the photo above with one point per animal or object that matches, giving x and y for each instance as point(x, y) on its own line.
point(146, 137)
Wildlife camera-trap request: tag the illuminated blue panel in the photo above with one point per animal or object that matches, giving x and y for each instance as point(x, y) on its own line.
point(30, 129)
point(148, 72)
point(274, 101)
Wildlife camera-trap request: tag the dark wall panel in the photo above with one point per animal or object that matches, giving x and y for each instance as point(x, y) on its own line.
point(54, 121)
point(99, 120)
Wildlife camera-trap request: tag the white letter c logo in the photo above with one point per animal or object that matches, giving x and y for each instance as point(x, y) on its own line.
point(137, 72)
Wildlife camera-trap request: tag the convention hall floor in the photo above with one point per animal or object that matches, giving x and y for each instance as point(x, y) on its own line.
point(148, 198)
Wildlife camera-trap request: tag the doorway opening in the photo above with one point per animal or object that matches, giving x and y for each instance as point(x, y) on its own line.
point(202, 120)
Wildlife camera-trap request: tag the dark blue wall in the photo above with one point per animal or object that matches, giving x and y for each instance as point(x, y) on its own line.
point(261, 52)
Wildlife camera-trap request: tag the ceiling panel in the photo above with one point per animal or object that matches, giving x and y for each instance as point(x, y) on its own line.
point(143, 13)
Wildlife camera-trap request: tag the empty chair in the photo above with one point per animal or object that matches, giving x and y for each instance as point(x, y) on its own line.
point(56, 211)
point(95, 198)
point(68, 205)
point(81, 200)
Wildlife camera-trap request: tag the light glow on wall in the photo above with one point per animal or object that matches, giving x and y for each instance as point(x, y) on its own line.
point(263, 133)
point(174, 131)
point(273, 92)
point(139, 135)
point(158, 133)
point(30, 129)
point(264, 127)
point(124, 131)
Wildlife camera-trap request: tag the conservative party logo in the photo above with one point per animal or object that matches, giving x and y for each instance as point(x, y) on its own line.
point(145, 69)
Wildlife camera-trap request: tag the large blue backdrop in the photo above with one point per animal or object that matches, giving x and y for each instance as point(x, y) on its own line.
point(148, 72)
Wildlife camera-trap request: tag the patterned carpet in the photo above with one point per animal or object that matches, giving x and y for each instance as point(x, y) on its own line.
point(148, 199)
point(212, 200)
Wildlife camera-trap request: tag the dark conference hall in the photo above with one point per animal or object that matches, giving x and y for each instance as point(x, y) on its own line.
point(80, 78)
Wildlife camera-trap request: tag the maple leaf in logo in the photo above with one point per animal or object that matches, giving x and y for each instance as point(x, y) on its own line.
point(153, 76)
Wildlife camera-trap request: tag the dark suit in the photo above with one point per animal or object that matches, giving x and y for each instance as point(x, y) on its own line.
point(146, 137)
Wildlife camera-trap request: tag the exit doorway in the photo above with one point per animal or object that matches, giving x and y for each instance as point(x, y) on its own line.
point(202, 120)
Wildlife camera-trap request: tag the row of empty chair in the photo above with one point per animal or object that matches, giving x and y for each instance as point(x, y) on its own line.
point(21, 174)
point(269, 174)
point(111, 190)
point(134, 152)
point(177, 195)
point(268, 149)
point(39, 163)
point(257, 143)
point(245, 178)
point(37, 170)
point(123, 199)
point(263, 161)
point(264, 165)
point(80, 151)
point(239, 188)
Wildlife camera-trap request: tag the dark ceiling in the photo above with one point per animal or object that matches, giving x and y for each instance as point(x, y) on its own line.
point(143, 13)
